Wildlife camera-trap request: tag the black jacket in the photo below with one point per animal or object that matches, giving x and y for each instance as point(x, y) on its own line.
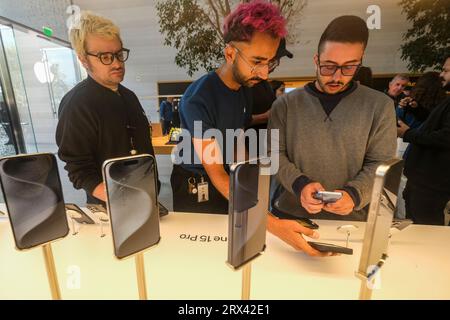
point(92, 128)
point(428, 160)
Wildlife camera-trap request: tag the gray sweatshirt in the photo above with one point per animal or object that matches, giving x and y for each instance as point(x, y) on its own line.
point(342, 150)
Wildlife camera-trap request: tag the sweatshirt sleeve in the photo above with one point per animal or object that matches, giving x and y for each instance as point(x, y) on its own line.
point(381, 146)
point(436, 139)
point(77, 139)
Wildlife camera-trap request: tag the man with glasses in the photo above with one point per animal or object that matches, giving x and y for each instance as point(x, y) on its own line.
point(333, 135)
point(99, 118)
point(221, 100)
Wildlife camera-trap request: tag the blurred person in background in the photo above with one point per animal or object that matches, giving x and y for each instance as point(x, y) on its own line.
point(427, 162)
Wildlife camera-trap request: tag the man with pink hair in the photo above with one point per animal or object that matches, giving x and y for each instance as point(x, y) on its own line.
point(221, 100)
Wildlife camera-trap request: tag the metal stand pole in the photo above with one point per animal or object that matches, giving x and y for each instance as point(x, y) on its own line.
point(365, 293)
point(140, 274)
point(246, 280)
point(51, 271)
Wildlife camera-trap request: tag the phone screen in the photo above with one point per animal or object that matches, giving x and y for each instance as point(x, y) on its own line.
point(132, 203)
point(248, 205)
point(34, 199)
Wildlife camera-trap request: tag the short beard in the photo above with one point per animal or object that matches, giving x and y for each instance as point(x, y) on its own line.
point(239, 78)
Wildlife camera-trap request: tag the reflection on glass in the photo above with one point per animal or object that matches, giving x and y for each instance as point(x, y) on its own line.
point(6, 137)
point(20, 94)
point(42, 72)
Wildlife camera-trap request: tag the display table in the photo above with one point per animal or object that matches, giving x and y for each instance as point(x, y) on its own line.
point(160, 146)
point(189, 263)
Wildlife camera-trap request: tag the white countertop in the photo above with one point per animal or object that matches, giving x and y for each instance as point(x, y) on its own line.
point(417, 268)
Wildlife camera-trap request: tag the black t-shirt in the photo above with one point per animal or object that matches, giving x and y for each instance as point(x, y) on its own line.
point(210, 103)
point(263, 97)
point(96, 124)
point(330, 101)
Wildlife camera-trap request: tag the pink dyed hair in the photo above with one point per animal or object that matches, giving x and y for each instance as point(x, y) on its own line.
point(255, 16)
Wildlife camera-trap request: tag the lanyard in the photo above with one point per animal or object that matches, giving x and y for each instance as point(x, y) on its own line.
point(131, 127)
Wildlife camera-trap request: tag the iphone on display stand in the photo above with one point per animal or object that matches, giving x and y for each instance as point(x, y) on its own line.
point(132, 206)
point(34, 199)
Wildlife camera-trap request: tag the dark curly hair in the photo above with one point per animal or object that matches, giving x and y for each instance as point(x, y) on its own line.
point(428, 91)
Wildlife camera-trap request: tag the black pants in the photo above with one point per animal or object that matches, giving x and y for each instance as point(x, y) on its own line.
point(424, 206)
point(166, 126)
point(185, 202)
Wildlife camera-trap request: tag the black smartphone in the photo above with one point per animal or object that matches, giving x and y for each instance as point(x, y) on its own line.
point(34, 199)
point(132, 203)
point(308, 223)
point(327, 247)
point(77, 214)
point(248, 206)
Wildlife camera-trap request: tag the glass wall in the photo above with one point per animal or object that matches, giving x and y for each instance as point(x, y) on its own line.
point(39, 73)
point(48, 71)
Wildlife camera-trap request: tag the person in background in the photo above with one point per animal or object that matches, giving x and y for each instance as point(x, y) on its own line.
point(263, 93)
point(424, 97)
point(427, 162)
point(396, 87)
point(278, 87)
point(99, 118)
point(166, 115)
point(364, 76)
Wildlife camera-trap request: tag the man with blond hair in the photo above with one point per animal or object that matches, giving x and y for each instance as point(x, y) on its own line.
point(99, 118)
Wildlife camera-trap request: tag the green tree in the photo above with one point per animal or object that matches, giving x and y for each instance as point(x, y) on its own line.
point(194, 28)
point(427, 42)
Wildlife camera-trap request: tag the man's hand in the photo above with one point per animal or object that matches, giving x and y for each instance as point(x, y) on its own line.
point(401, 128)
point(306, 198)
point(291, 232)
point(407, 101)
point(100, 192)
point(343, 206)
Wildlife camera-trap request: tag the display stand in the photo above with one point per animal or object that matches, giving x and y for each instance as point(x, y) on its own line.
point(51, 271)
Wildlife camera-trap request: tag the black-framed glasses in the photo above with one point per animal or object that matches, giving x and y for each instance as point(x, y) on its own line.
point(258, 67)
point(107, 58)
point(346, 70)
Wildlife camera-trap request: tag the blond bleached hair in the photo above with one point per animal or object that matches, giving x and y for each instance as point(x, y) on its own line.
point(91, 24)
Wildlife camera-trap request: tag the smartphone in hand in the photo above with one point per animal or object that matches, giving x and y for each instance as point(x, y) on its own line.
point(327, 196)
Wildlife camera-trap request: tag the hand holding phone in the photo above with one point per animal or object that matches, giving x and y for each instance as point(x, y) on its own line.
point(308, 223)
point(307, 200)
